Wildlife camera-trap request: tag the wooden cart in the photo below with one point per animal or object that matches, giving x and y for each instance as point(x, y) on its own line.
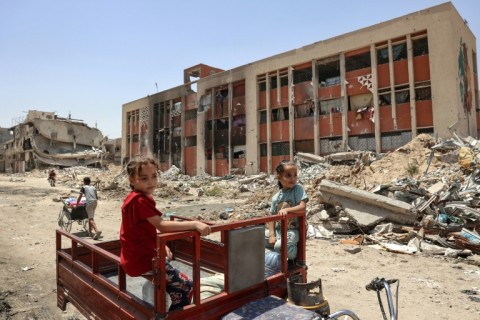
point(91, 278)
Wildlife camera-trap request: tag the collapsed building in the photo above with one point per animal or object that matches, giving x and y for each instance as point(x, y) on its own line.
point(372, 89)
point(5, 135)
point(44, 140)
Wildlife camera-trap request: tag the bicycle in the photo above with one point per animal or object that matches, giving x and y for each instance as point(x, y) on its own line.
point(378, 285)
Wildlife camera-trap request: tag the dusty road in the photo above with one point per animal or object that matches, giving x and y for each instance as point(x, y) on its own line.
point(430, 287)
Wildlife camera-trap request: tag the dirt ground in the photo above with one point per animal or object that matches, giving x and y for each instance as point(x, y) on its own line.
point(431, 287)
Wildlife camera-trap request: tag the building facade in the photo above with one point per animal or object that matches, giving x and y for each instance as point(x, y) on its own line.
point(372, 89)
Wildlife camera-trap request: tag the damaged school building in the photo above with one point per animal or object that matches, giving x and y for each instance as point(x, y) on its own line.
point(44, 140)
point(372, 89)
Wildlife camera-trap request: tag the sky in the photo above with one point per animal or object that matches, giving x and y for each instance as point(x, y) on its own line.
point(85, 59)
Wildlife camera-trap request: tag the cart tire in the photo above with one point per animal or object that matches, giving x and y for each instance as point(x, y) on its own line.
point(343, 316)
point(64, 220)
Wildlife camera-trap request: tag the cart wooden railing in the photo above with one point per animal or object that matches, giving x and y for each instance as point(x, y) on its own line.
point(83, 270)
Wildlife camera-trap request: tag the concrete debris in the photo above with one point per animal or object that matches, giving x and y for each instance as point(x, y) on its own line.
point(367, 209)
point(310, 158)
point(417, 199)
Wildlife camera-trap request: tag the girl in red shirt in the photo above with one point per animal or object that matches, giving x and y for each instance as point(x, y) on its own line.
point(140, 222)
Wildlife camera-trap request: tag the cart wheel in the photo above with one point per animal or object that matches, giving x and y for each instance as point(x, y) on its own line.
point(64, 220)
point(343, 315)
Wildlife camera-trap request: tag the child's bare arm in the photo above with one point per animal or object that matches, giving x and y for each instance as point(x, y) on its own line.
point(174, 226)
point(302, 206)
point(271, 232)
point(78, 200)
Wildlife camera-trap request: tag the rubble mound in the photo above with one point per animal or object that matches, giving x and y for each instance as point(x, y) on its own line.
point(408, 160)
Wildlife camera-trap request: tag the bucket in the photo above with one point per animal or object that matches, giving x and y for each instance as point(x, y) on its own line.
point(308, 295)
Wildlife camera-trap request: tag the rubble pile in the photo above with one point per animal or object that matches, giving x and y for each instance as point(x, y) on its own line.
point(423, 197)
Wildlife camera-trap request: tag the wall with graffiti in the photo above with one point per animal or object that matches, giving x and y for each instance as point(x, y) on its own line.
point(465, 80)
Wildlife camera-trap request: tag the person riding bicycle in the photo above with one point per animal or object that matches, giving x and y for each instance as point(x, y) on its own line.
point(52, 177)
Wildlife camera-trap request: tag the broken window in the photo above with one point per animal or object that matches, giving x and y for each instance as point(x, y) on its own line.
point(208, 125)
point(331, 145)
point(159, 115)
point(262, 83)
point(329, 73)
point(221, 124)
point(420, 46)
point(177, 109)
point(280, 149)
point(361, 101)
point(221, 97)
point(385, 99)
point(358, 61)
point(283, 80)
point(273, 82)
point(402, 95)
point(280, 114)
point(263, 117)
point(304, 110)
point(205, 102)
point(190, 114)
point(239, 151)
point(262, 86)
point(239, 121)
point(302, 75)
point(330, 106)
point(263, 150)
point(399, 51)
point(382, 55)
point(423, 93)
point(26, 144)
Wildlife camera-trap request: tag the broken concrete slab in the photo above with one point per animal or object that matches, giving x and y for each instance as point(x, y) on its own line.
point(345, 156)
point(365, 208)
point(252, 179)
point(308, 157)
point(437, 187)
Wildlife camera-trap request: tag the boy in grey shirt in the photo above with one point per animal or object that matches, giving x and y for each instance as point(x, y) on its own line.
point(90, 193)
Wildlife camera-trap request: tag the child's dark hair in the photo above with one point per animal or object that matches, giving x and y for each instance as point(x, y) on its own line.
point(134, 167)
point(86, 180)
point(281, 167)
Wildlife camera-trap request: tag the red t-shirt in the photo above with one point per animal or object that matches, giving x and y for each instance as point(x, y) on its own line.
point(137, 235)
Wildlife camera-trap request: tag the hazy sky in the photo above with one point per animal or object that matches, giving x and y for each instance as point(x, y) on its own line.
point(86, 58)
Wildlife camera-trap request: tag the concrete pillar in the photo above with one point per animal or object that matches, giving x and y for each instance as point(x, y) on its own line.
point(391, 69)
point(170, 133)
point(230, 123)
point(344, 99)
point(269, 122)
point(376, 113)
point(213, 133)
point(291, 114)
point(182, 134)
point(316, 135)
point(201, 116)
point(411, 85)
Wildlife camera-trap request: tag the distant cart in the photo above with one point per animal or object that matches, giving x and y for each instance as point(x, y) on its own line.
point(68, 215)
